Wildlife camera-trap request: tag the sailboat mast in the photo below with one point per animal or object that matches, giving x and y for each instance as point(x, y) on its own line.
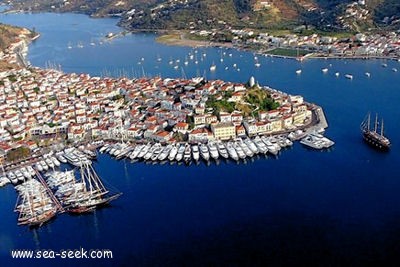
point(382, 128)
point(369, 121)
point(376, 122)
point(83, 179)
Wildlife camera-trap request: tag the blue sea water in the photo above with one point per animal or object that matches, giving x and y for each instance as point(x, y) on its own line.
point(333, 208)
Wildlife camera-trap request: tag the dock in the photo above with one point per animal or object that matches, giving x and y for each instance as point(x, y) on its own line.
point(320, 120)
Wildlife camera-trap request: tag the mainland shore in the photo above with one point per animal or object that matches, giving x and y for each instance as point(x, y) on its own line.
point(180, 39)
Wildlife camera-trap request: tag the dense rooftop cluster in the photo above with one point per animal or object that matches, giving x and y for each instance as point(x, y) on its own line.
point(361, 45)
point(48, 102)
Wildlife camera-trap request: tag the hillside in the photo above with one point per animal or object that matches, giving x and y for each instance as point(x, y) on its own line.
point(328, 15)
point(8, 35)
point(96, 8)
point(343, 15)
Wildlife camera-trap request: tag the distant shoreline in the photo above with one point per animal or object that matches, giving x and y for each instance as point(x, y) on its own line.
point(179, 39)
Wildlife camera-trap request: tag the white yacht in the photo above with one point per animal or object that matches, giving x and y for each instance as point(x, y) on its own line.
point(222, 150)
point(310, 141)
point(136, 152)
point(326, 142)
point(144, 151)
point(44, 165)
point(71, 158)
point(173, 152)
point(61, 158)
point(296, 135)
point(213, 150)
point(195, 152)
point(55, 161)
point(38, 166)
point(288, 142)
point(245, 148)
point(181, 150)
point(272, 148)
point(213, 67)
point(187, 156)
point(239, 150)
point(107, 150)
point(260, 145)
point(151, 150)
point(251, 145)
point(111, 150)
point(164, 153)
point(49, 162)
point(19, 175)
point(204, 152)
point(25, 173)
point(31, 170)
point(231, 151)
point(104, 147)
point(4, 180)
point(12, 177)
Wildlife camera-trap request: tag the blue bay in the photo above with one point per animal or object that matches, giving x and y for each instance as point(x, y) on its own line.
point(339, 207)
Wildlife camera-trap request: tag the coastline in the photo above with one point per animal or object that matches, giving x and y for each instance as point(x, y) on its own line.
point(179, 39)
point(21, 50)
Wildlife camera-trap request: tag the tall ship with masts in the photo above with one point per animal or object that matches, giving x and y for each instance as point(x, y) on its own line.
point(374, 135)
point(90, 193)
point(35, 205)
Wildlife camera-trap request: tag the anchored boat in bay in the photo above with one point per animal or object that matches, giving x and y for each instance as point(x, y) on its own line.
point(374, 136)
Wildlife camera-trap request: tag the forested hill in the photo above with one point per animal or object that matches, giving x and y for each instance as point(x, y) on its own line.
point(260, 14)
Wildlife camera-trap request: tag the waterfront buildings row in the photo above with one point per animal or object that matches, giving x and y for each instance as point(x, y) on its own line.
point(360, 45)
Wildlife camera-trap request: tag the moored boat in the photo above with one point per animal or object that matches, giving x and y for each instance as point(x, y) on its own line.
point(195, 152)
point(173, 152)
point(205, 154)
point(165, 152)
point(187, 156)
point(231, 151)
point(91, 195)
point(213, 150)
point(181, 151)
point(222, 150)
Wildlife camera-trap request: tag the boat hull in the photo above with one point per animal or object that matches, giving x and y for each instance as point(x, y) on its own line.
point(374, 142)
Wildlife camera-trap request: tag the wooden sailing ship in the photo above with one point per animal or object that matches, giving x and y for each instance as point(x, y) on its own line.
point(374, 136)
point(34, 204)
point(91, 194)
